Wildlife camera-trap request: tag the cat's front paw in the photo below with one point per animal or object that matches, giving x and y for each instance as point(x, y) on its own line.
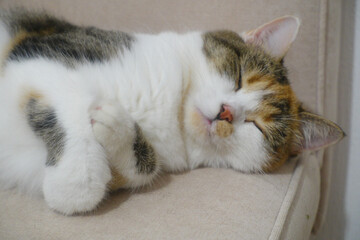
point(78, 182)
point(111, 125)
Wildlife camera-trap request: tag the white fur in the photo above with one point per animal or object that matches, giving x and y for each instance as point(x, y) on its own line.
point(150, 83)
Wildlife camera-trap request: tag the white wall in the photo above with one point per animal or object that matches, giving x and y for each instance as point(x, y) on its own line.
point(343, 219)
point(352, 193)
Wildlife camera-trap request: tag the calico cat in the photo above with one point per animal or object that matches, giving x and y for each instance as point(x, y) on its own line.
point(87, 111)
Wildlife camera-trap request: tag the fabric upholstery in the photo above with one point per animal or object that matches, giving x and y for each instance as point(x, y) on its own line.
point(331, 17)
point(201, 204)
point(207, 202)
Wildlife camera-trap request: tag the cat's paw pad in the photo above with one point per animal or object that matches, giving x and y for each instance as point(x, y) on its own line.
point(107, 114)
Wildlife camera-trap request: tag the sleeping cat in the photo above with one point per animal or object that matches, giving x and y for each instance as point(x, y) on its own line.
point(87, 111)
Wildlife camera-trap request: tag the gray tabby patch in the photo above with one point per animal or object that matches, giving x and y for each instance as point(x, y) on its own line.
point(144, 152)
point(41, 35)
point(44, 123)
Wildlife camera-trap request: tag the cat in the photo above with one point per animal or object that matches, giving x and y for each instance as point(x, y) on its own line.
point(88, 111)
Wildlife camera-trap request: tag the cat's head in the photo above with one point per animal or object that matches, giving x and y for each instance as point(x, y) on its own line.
point(243, 112)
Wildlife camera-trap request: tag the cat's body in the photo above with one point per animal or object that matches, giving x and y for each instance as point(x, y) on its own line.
point(86, 110)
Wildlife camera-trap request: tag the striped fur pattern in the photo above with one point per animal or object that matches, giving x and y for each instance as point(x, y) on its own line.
point(42, 119)
point(252, 69)
point(144, 152)
point(90, 111)
point(41, 35)
point(279, 116)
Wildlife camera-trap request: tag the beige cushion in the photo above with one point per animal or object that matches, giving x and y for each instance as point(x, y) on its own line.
point(202, 204)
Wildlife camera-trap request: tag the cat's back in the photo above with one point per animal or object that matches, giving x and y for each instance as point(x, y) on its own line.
point(26, 35)
point(58, 59)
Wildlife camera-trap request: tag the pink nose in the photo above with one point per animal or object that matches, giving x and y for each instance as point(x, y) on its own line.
point(225, 113)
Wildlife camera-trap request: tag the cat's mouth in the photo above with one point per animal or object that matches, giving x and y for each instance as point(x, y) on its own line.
point(221, 125)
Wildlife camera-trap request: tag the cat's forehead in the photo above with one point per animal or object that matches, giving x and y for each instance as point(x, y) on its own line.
point(232, 57)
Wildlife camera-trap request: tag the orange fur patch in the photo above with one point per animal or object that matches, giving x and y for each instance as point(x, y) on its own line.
point(224, 129)
point(264, 120)
point(18, 38)
point(198, 121)
point(27, 95)
point(117, 181)
point(254, 81)
point(181, 114)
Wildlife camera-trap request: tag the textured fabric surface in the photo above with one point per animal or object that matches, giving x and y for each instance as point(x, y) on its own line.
point(202, 204)
point(332, 28)
point(312, 63)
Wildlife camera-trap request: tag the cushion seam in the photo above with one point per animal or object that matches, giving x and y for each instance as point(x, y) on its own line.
point(288, 199)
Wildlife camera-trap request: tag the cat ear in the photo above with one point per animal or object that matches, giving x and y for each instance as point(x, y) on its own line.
point(316, 133)
point(276, 36)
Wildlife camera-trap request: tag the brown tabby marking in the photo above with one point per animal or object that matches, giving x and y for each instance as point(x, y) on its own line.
point(21, 35)
point(117, 181)
point(254, 70)
point(38, 34)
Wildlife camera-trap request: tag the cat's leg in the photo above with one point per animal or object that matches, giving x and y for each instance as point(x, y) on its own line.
point(131, 156)
point(77, 171)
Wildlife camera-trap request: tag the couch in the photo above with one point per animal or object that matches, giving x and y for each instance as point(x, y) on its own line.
point(205, 203)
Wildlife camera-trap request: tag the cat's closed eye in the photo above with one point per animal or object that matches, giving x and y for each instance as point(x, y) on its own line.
point(255, 124)
point(238, 81)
